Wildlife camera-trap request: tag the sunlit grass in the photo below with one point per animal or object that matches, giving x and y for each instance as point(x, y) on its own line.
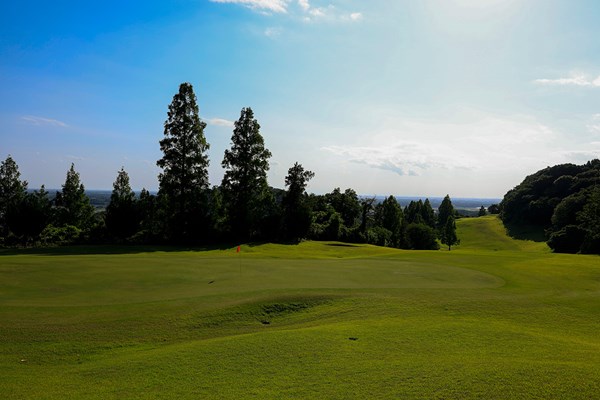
point(493, 318)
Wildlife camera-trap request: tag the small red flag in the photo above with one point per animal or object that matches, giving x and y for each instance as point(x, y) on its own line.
point(238, 249)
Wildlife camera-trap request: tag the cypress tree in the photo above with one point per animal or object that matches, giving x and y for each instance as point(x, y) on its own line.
point(246, 194)
point(184, 180)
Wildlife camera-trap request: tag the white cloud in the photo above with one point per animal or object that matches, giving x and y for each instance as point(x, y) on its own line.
point(273, 32)
point(219, 122)
point(41, 121)
point(317, 12)
point(304, 4)
point(278, 6)
point(308, 12)
point(575, 79)
point(487, 142)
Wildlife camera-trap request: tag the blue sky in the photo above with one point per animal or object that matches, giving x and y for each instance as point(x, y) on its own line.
point(421, 97)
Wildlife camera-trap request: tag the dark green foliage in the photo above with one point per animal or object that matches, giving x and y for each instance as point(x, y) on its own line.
point(30, 216)
point(589, 219)
point(327, 225)
point(338, 216)
point(445, 210)
point(12, 190)
point(72, 206)
point(421, 237)
point(566, 240)
point(390, 217)
point(428, 214)
point(366, 208)
point(297, 215)
point(414, 212)
point(482, 212)
point(244, 187)
point(380, 236)
point(122, 214)
point(346, 204)
point(61, 235)
point(554, 199)
point(184, 180)
point(448, 233)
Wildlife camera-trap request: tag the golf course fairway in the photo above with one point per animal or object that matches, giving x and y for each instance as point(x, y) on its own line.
point(495, 318)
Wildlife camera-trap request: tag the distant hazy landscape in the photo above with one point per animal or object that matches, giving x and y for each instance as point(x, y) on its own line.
point(101, 198)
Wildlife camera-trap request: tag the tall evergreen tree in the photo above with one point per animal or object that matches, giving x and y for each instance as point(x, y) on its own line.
point(445, 210)
point(296, 212)
point(184, 180)
point(122, 218)
point(12, 190)
point(244, 186)
point(391, 219)
point(448, 234)
point(428, 214)
point(414, 212)
point(72, 204)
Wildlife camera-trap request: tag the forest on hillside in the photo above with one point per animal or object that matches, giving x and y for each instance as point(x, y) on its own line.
point(563, 201)
point(186, 210)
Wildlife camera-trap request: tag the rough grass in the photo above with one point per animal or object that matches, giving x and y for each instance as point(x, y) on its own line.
point(494, 318)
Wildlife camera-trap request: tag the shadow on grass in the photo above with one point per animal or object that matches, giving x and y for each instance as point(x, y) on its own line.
point(525, 232)
point(342, 245)
point(107, 249)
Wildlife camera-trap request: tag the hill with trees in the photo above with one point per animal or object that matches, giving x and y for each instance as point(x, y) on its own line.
point(564, 201)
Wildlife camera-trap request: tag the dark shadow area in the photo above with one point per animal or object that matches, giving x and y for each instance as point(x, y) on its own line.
point(108, 249)
point(526, 232)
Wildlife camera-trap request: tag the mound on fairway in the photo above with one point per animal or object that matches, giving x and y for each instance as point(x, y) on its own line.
point(495, 318)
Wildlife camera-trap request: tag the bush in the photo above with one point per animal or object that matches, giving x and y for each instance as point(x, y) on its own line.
point(379, 236)
point(567, 240)
point(421, 237)
point(52, 235)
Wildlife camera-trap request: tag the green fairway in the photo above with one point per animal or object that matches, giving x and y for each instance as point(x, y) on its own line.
point(494, 318)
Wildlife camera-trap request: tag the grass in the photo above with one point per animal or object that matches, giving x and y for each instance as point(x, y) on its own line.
point(493, 318)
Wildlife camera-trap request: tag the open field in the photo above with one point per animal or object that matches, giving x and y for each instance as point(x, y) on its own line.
point(495, 318)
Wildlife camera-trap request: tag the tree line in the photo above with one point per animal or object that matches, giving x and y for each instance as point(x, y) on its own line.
point(186, 210)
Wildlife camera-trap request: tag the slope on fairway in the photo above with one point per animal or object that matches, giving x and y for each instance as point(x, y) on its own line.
point(488, 233)
point(318, 320)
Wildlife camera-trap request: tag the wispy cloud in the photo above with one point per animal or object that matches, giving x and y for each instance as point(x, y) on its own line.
point(219, 122)
point(575, 79)
point(273, 32)
point(356, 16)
point(277, 6)
point(303, 9)
point(594, 124)
point(489, 142)
point(405, 158)
point(41, 121)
